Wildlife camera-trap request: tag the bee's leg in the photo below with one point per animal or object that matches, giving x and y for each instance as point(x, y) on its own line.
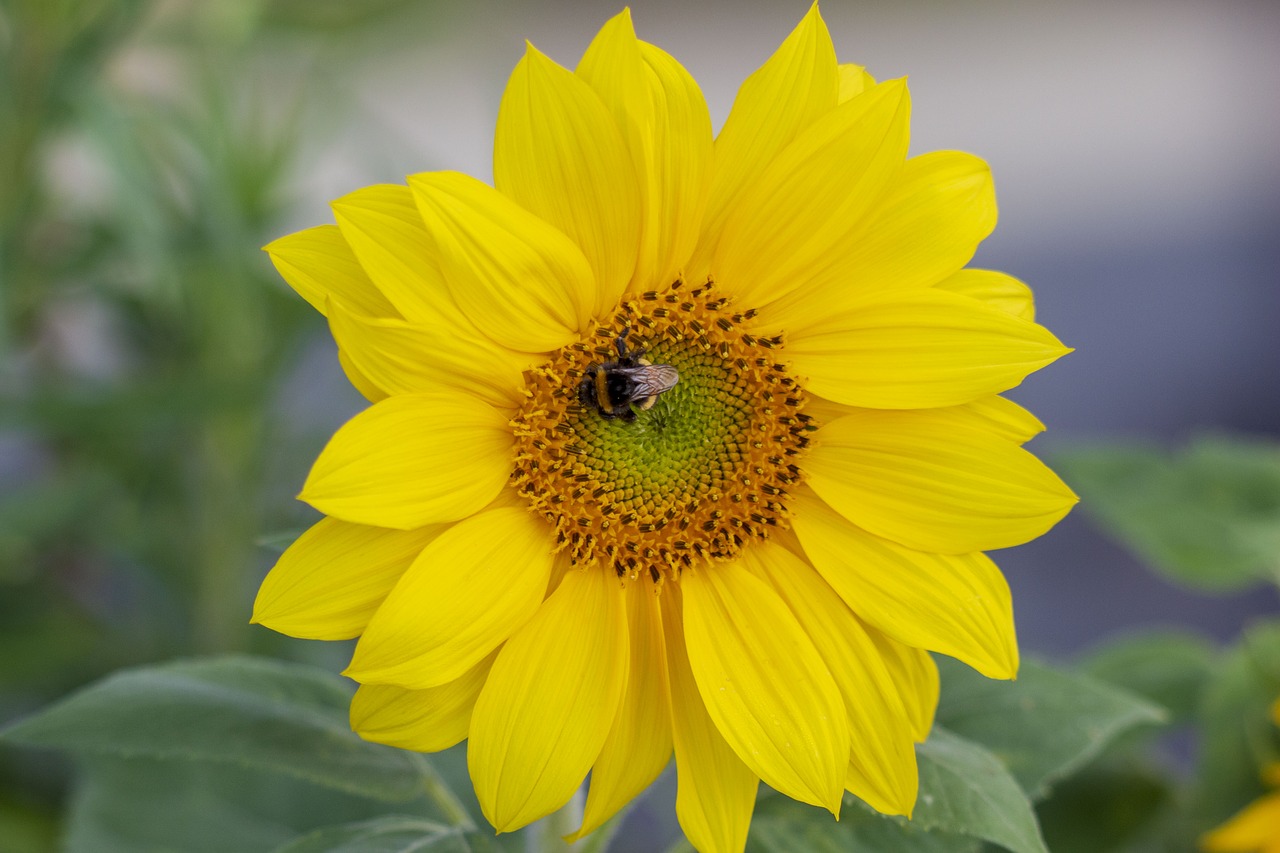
point(628, 416)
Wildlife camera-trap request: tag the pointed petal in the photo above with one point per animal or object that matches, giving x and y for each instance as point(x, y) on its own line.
point(994, 413)
point(933, 484)
point(466, 593)
point(715, 791)
point(765, 684)
point(926, 227)
point(558, 153)
point(997, 289)
point(919, 349)
point(882, 769)
point(550, 701)
point(797, 218)
point(421, 720)
point(799, 83)
point(520, 280)
point(411, 460)
point(916, 676)
point(400, 357)
point(639, 744)
point(667, 128)
point(958, 605)
point(329, 582)
point(854, 80)
point(319, 264)
point(386, 233)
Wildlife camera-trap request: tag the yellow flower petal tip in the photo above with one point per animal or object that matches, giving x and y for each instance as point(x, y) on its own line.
point(676, 443)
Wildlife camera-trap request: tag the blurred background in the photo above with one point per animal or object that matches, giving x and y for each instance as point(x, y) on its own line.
point(162, 393)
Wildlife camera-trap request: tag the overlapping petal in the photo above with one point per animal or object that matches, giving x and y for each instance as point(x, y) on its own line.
point(426, 720)
point(466, 593)
point(956, 604)
point(319, 265)
point(400, 357)
point(997, 289)
point(329, 582)
point(550, 701)
point(799, 213)
point(927, 226)
point(882, 765)
point(769, 692)
point(559, 154)
point(386, 233)
point(639, 744)
point(918, 349)
point(777, 103)
point(411, 460)
point(715, 790)
point(932, 484)
point(916, 676)
point(664, 120)
point(517, 278)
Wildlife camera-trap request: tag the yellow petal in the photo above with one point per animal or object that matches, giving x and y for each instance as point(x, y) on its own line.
point(319, 264)
point(400, 357)
point(854, 80)
point(997, 289)
point(799, 83)
point(797, 217)
point(1000, 416)
point(916, 676)
point(882, 766)
point(667, 127)
point(558, 153)
point(765, 684)
point(639, 744)
point(926, 227)
point(466, 593)
point(421, 720)
point(520, 280)
point(918, 349)
point(411, 460)
point(385, 231)
point(328, 583)
point(715, 791)
point(1255, 827)
point(550, 701)
point(932, 484)
point(958, 605)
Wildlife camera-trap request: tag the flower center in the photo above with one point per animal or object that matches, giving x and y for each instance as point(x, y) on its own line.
point(696, 475)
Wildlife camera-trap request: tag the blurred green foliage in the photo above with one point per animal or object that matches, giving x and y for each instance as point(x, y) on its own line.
point(146, 150)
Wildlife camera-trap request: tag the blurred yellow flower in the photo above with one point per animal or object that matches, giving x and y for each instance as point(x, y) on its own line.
point(546, 547)
point(1257, 826)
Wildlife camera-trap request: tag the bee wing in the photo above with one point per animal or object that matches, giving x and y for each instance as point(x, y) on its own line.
point(653, 379)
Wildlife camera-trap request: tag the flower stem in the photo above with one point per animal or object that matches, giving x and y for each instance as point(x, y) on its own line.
point(442, 797)
point(547, 835)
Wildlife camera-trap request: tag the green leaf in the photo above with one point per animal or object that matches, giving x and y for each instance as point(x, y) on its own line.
point(795, 827)
point(1239, 737)
point(965, 790)
point(249, 712)
point(1208, 517)
point(1043, 726)
point(1109, 806)
point(1167, 667)
point(128, 805)
point(390, 834)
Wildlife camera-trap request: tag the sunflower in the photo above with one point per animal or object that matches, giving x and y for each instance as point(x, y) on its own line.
point(1256, 827)
point(678, 443)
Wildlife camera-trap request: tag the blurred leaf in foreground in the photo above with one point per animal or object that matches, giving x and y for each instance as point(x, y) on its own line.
point(1208, 517)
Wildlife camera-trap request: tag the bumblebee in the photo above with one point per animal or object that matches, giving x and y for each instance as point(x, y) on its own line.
point(611, 388)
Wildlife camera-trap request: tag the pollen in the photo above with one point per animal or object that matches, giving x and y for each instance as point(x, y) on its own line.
point(695, 478)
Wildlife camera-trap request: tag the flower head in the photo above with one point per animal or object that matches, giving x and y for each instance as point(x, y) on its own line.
point(677, 443)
